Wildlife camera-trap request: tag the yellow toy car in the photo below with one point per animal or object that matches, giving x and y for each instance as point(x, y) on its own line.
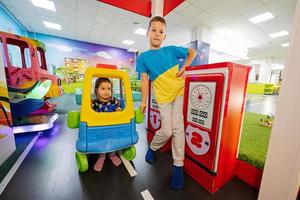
point(102, 132)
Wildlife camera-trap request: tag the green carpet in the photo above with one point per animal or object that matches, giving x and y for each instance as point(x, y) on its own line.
point(254, 141)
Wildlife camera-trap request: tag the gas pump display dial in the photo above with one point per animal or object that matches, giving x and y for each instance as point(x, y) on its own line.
point(201, 97)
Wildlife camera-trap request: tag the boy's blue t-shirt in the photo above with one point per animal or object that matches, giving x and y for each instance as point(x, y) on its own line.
point(161, 65)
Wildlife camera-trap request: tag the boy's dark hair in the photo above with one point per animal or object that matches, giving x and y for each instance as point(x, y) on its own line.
point(98, 83)
point(157, 19)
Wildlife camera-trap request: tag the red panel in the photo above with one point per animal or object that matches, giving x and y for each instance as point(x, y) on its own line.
point(170, 5)
point(141, 7)
point(249, 173)
point(106, 66)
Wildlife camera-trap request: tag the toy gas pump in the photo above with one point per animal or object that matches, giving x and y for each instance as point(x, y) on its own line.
point(213, 111)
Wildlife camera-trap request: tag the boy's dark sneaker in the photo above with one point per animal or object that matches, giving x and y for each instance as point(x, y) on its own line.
point(150, 156)
point(177, 178)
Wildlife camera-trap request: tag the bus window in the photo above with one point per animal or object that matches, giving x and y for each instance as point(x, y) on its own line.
point(14, 53)
point(41, 58)
point(17, 53)
point(27, 57)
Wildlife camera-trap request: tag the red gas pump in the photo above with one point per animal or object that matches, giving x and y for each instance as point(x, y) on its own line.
point(213, 112)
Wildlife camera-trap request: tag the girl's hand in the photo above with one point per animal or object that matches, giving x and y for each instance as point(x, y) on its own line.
point(118, 109)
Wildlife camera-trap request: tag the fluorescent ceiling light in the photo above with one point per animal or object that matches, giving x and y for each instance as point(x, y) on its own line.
point(52, 25)
point(46, 4)
point(140, 31)
point(128, 42)
point(227, 46)
point(279, 34)
point(277, 66)
point(262, 17)
point(285, 45)
point(237, 36)
point(132, 50)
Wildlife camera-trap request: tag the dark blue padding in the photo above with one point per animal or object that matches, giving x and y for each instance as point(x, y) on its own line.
point(102, 139)
point(25, 107)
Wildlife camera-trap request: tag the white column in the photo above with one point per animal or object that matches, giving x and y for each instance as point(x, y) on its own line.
point(202, 33)
point(282, 169)
point(157, 8)
point(265, 70)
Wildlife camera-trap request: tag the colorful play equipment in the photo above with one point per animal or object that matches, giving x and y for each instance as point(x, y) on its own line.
point(26, 103)
point(101, 132)
point(33, 67)
point(267, 121)
point(37, 92)
point(30, 111)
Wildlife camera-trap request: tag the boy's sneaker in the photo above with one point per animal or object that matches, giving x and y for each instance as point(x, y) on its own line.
point(177, 178)
point(150, 156)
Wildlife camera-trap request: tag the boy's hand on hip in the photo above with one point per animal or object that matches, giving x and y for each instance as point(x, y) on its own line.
point(180, 74)
point(143, 107)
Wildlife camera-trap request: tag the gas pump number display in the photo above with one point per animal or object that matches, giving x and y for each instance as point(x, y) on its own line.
point(201, 103)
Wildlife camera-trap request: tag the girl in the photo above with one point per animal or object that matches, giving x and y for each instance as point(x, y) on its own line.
point(105, 102)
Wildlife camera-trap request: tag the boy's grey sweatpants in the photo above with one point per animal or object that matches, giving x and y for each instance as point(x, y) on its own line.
point(171, 115)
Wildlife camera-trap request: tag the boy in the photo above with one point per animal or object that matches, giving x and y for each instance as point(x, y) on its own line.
point(161, 64)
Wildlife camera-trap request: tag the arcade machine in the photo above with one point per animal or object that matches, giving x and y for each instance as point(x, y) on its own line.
point(214, 100)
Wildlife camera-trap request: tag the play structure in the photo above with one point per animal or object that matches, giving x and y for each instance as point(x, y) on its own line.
point(26, 63)
point(30, 111)
point(29, 84)
point(213, 112)
point(101, 132)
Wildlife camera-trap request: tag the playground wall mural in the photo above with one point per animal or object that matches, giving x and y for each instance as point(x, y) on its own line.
point(61, 52)
point(68, 59)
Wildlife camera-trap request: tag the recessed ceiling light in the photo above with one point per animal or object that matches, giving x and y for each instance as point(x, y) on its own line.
point(285, 45)
point(279, 34)
point(128, 42)
point(46, 4)
point(262, 17)
point(132, 50)
point(140, 31)
point(52, 25)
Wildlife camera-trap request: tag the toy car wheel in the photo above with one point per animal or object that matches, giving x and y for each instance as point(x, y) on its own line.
point(129, 153)
point(73, 118)
point(82, 161)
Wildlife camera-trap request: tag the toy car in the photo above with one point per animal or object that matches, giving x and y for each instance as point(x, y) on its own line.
point(102, 132)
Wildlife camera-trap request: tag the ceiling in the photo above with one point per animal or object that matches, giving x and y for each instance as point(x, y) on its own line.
point(96, 22)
